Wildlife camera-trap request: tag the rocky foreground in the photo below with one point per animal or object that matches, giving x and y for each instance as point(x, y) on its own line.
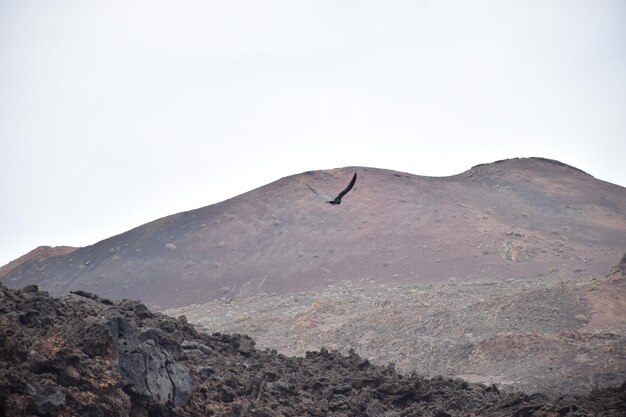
point(82, 355)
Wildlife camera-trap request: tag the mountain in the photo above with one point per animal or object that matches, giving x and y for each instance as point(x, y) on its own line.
point(83, 355)
point(514, 219)
point(38, 254)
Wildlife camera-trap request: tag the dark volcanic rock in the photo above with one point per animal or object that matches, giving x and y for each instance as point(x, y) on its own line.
point(148, 363)
point(85, 356)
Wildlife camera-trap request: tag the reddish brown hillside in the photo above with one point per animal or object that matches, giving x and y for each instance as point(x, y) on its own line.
point(531, 218)
point(38, 254)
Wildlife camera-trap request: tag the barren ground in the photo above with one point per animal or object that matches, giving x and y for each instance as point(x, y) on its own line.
point(536, 335)
point(522, 219)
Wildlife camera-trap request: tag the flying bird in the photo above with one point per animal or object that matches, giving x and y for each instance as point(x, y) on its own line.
point(336, 200)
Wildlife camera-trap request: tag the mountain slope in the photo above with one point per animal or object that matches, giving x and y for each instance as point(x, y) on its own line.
point(550, 337)
point(38, 254)
point(515, 218)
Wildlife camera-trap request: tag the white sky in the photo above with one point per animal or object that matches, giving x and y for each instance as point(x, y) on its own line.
point(115, 113)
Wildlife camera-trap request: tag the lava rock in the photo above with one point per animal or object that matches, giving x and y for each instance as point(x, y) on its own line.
point(150, 366)
point(86, 356)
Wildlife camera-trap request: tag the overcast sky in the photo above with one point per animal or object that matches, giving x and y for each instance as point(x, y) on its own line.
point(115, 113)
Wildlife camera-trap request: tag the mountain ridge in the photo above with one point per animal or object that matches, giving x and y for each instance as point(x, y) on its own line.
point(530, 217)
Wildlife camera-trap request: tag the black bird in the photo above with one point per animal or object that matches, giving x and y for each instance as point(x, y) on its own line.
point(336, 200)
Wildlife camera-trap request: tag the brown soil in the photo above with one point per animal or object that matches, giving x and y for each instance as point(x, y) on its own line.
point(516, 219)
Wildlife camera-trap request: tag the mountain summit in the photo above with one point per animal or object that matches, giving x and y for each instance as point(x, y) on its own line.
point(527, 217)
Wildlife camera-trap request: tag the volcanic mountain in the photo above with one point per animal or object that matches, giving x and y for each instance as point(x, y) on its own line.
point(513, 219)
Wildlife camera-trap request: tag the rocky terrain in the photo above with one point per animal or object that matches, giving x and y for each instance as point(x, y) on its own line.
point(526, 218)
point(82, 355)
point(496, 276)
point(543, 335)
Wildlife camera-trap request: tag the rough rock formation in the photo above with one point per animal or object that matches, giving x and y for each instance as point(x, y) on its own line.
point(87, 356)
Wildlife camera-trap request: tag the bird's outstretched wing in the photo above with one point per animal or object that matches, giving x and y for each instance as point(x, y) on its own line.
point(348, 188)
point(324, 196)
point(336, 200)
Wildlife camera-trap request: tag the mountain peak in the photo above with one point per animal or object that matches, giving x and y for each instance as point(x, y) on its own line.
point(528, 163)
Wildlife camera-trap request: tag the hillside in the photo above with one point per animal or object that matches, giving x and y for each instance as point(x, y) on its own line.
point(534, 335)
point(38, 254)
point(514, 219)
